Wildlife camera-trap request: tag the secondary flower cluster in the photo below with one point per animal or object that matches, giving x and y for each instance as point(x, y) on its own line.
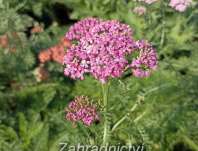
point(80, 109)
point(55, 53)
point(101, 49)
point(146, 61)
point(180, 5)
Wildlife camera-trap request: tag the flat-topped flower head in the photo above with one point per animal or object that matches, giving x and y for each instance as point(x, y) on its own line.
point(81, 110)
point(143, 65)
point(101, 50)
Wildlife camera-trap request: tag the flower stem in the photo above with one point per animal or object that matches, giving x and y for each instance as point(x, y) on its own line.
point(124, 117)
point(105, 91)
point(163, 5)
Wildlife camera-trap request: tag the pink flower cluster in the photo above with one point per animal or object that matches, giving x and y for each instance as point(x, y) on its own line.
point(148, 1)
point(101, 49)
point(180, 5)
point(81, 28)
point(146, 61)
point(80, 109)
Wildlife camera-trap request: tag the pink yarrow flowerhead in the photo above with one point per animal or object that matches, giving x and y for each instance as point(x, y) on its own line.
point(180, 5)
point(81, 110)
point(143, 65)
point(101, 50)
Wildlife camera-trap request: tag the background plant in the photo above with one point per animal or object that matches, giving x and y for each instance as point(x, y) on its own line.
point(167, 118)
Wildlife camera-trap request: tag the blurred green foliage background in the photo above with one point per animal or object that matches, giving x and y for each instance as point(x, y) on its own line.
point(32, 110)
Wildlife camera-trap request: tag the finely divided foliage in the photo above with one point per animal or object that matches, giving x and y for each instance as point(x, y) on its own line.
point(159, 111)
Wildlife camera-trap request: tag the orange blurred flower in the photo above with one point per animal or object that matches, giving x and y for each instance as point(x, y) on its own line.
point(44, 56)
point(55, 53)
point(58, 53)
point(37, 29)
point(4, 41)
point(65, 42)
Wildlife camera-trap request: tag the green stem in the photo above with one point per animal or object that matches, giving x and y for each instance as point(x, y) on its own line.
point(134, 107)
point(190, 142)
point(163, 5)
point(124, 117)
point(105, 91)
